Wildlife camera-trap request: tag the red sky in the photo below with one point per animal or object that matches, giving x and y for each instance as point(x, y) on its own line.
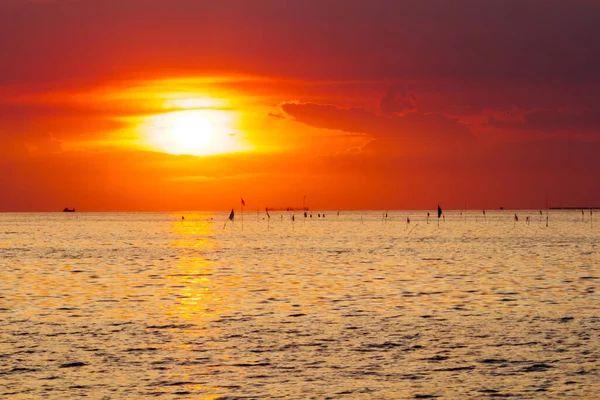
point(364, 104)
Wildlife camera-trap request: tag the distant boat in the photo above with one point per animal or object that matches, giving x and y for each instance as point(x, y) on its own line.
point(66, 209)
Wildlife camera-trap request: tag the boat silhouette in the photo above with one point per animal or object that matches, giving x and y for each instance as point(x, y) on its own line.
point(67, 209)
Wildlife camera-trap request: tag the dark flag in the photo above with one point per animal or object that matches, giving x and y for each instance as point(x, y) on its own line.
point(231, 216)
point(439, 211)
point(267, 211)
point(243, 202)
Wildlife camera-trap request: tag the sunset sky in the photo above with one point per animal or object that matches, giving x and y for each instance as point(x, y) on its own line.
point(155, 105)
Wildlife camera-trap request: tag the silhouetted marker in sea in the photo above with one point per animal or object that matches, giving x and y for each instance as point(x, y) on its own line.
point(428, 217)
point(243, 204)
point(231, 217)
point(440, 214)
point(412, 229)
point(547, 212)
point(268, 217)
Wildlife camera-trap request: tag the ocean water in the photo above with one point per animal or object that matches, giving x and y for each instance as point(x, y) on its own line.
point(144, 305)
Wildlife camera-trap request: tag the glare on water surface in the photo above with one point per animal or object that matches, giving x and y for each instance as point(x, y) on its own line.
point(150, 304)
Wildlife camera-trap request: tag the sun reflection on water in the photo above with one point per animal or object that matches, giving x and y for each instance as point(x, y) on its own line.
point(190, 279)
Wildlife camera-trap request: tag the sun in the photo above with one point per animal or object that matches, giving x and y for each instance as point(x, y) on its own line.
point(192, 132)
point(182, 132)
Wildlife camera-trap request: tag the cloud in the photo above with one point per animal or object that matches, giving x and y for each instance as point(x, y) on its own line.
point(397, 101)
point(276, 115)
point(412, 129)
point(548, 120)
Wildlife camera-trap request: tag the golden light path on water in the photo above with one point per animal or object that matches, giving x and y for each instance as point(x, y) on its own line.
point(136, 305)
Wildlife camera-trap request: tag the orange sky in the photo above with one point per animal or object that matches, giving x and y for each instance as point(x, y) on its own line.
point(186, 105)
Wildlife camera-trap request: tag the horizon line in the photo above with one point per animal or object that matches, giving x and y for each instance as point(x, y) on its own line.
point(568, 208)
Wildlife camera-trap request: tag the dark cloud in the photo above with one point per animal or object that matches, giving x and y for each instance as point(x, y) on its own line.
point(548, 120)
point(410, 129)
point(397, 101)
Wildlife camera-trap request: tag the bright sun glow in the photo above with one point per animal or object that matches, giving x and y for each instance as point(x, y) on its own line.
point(188, 133)
point(194, 132)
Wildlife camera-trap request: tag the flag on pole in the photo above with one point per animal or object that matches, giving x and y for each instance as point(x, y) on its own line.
point(231, 217)
point(267, 211)
point(439, 211)
point(243, 204)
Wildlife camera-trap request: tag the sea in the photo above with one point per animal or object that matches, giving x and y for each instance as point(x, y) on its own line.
point(348, 305)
